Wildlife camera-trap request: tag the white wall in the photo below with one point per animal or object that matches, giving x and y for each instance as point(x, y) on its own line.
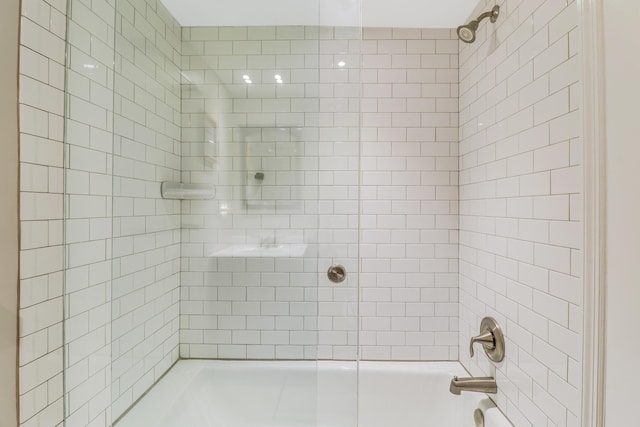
point(9, 19)
point(521, 206)
point(147, 237)
point(265, 307)
point(409, 195)
point(369, 13)
point(88, 226)
point(622, 68)
point(123, 267)
point(534, 390)
point(294, 132)
point(416, 13)
point(42, 79)
point(146, 228)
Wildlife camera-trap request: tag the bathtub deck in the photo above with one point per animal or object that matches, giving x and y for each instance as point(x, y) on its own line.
point(207, 393)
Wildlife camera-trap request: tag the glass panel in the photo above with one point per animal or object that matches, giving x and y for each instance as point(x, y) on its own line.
point(254, 133)
point(339, 137)
point(250, 114)
point(249, 128)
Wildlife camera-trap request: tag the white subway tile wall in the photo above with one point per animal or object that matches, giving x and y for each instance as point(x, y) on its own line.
point(364, 132)
point(271, 117)
point(146, 228)
point(409, 195)
point(521, 208)
point(42, 79)
point(88, 199)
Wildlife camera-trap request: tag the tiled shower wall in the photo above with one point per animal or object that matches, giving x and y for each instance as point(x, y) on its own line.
point(147, 238)
point(409, 195)
point(250, 307)
point(521, 206)
point(520, 246)
point(89, 168)
point(146, 228)
point(42, 62)
point(88, 214)
point(302, 135)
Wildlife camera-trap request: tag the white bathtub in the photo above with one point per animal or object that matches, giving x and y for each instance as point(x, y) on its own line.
point(203, 393)
point(417, 395)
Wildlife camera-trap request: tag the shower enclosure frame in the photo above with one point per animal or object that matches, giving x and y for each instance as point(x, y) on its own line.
point(594, 186)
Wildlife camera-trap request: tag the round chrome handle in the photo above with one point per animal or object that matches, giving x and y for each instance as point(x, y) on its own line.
point(337, 273)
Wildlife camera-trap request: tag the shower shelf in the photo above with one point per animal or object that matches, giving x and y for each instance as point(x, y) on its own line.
point(286, 250)
point(182, 191)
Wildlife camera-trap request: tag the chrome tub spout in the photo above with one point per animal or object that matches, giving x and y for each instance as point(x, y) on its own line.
point(479, 385)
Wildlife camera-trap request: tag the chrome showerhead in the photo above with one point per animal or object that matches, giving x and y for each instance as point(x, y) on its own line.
point(467, 33)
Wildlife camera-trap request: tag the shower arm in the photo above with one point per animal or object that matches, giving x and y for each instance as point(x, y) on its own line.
point(493, 14)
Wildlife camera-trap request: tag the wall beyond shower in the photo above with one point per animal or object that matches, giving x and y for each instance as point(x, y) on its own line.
point(521, 206)
point(256, 140)
point(249, 307)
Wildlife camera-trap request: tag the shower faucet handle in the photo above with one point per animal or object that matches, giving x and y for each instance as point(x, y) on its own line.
point(487, 340)
point(491, 338)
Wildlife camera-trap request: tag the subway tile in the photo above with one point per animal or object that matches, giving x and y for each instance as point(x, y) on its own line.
point(538, 185)
point(435, 334)
point(551, 57)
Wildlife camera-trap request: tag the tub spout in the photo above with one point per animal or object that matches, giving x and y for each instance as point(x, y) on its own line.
point(479, 384)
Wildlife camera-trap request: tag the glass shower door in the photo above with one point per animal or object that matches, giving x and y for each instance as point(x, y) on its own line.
point(273, 122)
point(229, 289)
point(250, 128)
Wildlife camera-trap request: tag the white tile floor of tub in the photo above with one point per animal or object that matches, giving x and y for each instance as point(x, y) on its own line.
point(209, 393)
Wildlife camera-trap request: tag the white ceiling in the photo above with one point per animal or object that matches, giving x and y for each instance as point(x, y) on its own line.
point(375, 13)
